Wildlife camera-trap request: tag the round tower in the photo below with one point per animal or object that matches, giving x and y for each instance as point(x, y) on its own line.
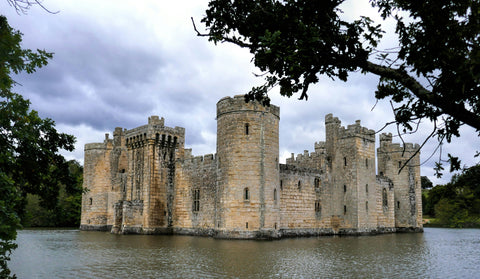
point(248, 202)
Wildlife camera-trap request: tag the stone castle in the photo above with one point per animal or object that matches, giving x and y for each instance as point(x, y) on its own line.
point(145, 181)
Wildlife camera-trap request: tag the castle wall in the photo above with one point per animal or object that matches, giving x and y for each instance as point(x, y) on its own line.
point(305, 201)
point(195, 195)
point(385, 205)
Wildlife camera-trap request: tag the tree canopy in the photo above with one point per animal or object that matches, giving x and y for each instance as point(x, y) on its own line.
point(457, 203)
point(29, 145)
point(434, 73)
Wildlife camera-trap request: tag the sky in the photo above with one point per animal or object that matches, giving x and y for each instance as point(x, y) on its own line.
point(116, 63)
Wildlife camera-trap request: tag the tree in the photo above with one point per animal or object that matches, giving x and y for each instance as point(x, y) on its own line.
point(29, 145)
point(456, 204)
point(66, 212)
point(426, 183)
point(434, 74)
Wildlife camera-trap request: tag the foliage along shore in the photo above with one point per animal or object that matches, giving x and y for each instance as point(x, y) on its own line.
point(455, 204)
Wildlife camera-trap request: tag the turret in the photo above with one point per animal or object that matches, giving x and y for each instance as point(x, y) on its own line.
point(402, 165)
point(248, 168)
point(351, 157)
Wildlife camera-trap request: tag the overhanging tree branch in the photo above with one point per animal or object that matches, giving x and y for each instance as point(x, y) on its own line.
point(457, 110)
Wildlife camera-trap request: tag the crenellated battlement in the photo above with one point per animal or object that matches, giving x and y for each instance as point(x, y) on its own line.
point(199, 160)
point(237, 104)
point(356, 130)
point(155, 131)
point(353, 130)
point(387, 144)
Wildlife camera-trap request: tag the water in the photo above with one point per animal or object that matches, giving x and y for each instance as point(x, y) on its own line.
point(437, 253)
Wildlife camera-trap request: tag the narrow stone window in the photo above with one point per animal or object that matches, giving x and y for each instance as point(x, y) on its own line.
point(366, 187)
point(281, 185)
point(246, 128)
point(399, 164)
point(275, 226)
point(91, 201)
point(299, 185)
point(318, 207)
point(344, 209)
point(246, 194)
point(366, 163)
point(345, 161)
point(275, 195)
point(317, 182)
point(196, 200)
point(246, 225)
point(366, 205)
point(384, 198)
point(344, 188)
point(398, 204)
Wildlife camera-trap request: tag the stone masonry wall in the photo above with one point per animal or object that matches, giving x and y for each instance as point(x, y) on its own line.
point(391, 158)
point(195, 195)
point(304, 200)
point(96, 180)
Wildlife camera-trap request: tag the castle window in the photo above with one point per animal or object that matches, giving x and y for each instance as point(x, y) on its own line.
point(91, 201)
point(366, 205)
point(318, 207)
point(275, 195)
point(275, 226)
point(344, 209)
point(384, 198)
point(398, 204)
point(196, 200)
point(281, 185)
point(246, 225)
point(345, 161)
point(399, 164)
point(366, 188)
point(246, 128)
point(246, 194)
point(366, 163)
point(317, 182)
point(299, 185)
point(344, 188)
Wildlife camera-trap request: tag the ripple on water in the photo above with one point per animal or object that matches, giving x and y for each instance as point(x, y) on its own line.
point(438, 253)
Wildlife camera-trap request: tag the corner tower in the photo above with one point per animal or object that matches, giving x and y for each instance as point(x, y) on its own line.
point(351, 162)
point(247, 203)
point(402, 165)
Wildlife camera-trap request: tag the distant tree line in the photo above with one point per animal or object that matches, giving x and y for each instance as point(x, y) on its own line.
point(66, 212)
point(455, 204)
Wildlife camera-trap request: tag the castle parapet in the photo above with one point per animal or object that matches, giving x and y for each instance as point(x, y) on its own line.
point(356, 130)
point(386, 143)
point(238, 104)
point(155, 131)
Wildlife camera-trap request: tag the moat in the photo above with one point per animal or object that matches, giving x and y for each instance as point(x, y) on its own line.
point(436, 253)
